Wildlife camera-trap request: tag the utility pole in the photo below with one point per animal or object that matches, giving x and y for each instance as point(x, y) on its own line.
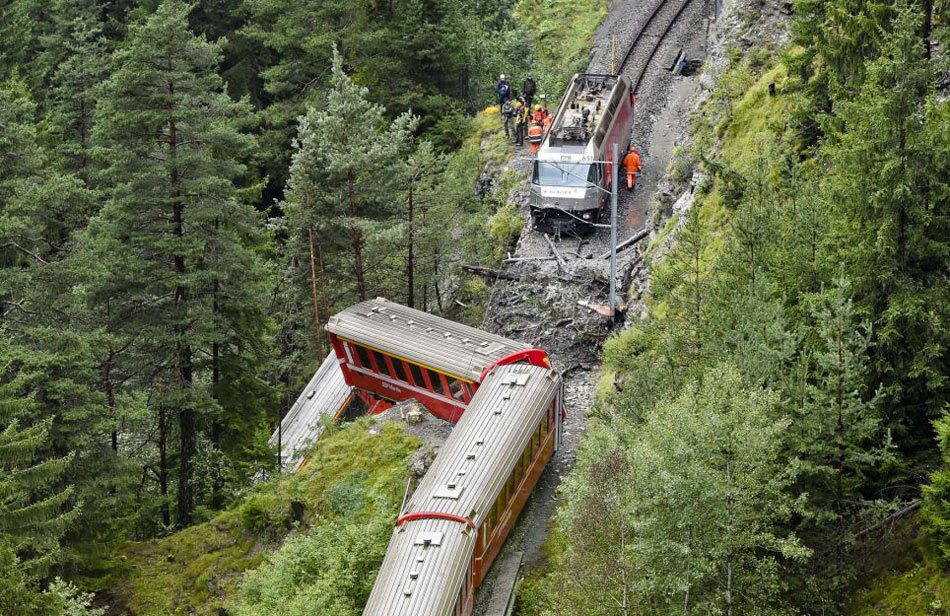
point(613, 231)
point(613, 54)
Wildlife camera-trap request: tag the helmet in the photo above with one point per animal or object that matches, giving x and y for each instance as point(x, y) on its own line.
point(537, 107)
point(502, 77)
point(633, 148)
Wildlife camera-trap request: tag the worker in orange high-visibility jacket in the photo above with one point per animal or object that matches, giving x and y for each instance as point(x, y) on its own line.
point(534, 136)
point(632, 164)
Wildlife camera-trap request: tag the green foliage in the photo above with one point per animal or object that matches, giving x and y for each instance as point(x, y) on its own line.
point(329, 570)
point(170, 257)
point(36, 510)
point(353, 481)
point(935, 512)
point(684, 509)
point(505, 228)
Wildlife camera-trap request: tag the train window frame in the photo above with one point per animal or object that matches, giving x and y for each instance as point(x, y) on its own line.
point(380, 360)
point(435, 384)
point(362, 356)
point(455, 388)
point(399, 369)
point(415, 370)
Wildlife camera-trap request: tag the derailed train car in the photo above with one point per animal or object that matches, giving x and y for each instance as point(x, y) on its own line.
point(454, 524)
point(570, 182)
point(390, 353)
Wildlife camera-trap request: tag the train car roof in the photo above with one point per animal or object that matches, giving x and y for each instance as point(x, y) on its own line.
point(326, 394)
point(423, 338)
point(477, 458)
point(427, 558)
point(567, 141)
point(424, 569)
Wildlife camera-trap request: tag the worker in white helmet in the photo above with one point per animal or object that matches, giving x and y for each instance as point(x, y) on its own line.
point(504, 90)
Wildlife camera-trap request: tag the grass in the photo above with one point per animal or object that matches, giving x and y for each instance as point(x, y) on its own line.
point(198, 570)
point(562, 31)
point(906, 579)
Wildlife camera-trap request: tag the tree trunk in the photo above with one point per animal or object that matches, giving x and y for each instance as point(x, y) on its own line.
point(927, 26)
point(313, 284)
point(163, 466)
point(357, 237)
point(410, 262)
point(186, 415)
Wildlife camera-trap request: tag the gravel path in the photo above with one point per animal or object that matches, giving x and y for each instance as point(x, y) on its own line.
point(543, 309)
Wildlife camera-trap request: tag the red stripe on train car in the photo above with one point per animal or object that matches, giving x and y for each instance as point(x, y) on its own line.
point(434, 515)
point(535, 357)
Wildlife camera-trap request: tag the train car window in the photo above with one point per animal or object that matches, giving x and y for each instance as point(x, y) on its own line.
point(526, 459)
point(436, 380)
point(455, 386)
point(417, 375)
point(563, 174)
point(400, 367)
point(614, 101)
point(537, 436)
point(468, 392)
point(381, 366)
point(364, 357)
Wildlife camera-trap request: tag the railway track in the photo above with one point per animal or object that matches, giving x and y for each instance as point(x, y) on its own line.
point(646, 44)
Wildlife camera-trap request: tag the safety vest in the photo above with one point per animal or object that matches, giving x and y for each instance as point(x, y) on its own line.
point(534, 133)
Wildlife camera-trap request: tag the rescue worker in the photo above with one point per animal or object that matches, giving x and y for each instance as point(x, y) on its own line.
point(545, 115)
point(522, 118)
point(538, 114)
point(535, 133)
point(503, 89)
point(528, 88)
point(632, 164)
point(508, 119)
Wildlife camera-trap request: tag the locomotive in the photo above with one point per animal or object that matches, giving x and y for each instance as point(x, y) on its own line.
point(571, 177)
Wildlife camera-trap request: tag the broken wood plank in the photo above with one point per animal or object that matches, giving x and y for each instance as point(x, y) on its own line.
point(630, 241)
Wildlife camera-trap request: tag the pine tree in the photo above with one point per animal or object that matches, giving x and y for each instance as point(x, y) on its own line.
point(888, 184)
point(425, 233)
point(169, 256)
point(35, 512)
point(709, 524)
point(75, 60)
point(847, 442)
point(345, 178)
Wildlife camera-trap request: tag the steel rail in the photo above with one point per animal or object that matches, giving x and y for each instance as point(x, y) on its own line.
point(656, 45)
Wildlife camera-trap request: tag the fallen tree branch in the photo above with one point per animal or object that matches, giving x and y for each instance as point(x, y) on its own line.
point(560, 260)
point(630, 241)
point(478, 270)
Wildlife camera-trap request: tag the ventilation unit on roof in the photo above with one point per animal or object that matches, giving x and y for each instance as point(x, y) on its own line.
point(428, 538)
point(450, 490)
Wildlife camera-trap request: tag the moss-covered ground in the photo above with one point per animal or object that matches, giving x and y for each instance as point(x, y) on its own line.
point(357, 472)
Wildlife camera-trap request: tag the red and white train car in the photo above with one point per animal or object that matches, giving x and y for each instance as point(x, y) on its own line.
point(391, 353)
point(456, 521)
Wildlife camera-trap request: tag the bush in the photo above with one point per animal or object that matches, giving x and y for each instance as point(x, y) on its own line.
point(935, 511)
point(505, 228)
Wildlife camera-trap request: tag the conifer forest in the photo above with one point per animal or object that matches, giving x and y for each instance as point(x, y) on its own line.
point(191, 189)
